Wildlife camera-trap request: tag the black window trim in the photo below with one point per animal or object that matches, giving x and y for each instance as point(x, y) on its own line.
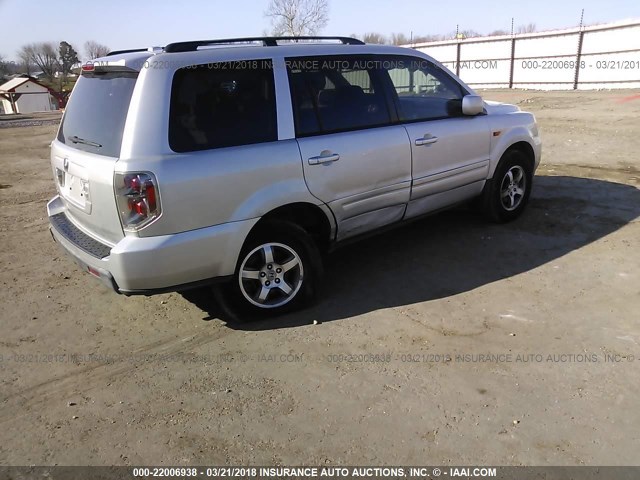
point(208, 65)
point(376, 77)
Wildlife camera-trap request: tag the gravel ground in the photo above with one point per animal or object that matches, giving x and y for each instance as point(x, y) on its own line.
point(451, 340)
point(31, 120)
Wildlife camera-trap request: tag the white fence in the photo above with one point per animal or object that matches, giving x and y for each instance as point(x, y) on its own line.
point(600, 56)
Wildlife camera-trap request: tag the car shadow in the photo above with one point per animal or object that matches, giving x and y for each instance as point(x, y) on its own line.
point(454, 252)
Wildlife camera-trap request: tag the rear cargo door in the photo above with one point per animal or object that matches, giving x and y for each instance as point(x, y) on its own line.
point(87, 147)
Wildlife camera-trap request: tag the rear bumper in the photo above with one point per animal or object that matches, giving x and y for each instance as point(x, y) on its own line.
point(147, 265)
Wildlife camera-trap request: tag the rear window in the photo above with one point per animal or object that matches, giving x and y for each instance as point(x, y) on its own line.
point(222, 105)
point(95, 116)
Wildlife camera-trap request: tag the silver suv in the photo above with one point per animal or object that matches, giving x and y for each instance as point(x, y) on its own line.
point(246, 160)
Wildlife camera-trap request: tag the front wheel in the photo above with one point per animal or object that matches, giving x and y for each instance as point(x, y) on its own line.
point(279, 270)
point(505, 196)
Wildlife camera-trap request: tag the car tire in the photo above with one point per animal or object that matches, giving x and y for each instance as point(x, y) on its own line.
point(279, 270)
point(505, 196)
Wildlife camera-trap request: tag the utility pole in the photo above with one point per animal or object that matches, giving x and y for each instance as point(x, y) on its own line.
point(458, 50)
point(513, 55)
point(579, 54)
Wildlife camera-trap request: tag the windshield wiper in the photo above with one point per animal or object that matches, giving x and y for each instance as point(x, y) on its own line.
point(76, 139)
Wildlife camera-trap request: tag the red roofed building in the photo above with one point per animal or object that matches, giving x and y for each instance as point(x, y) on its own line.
point(26, 95)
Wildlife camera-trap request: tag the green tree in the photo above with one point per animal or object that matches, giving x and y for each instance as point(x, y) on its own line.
point(68, 58)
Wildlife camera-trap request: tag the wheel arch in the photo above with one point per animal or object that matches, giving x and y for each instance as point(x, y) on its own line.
point(316, 220)
point(522, 146)
point(526, 149)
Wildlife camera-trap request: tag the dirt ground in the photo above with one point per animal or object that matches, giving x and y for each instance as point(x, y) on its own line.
point(449, 341)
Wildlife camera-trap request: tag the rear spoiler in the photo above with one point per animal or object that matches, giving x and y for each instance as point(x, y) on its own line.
point(120, 52)
point(106, 66)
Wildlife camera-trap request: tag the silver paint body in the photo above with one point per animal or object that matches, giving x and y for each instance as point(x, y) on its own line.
point(361, 180)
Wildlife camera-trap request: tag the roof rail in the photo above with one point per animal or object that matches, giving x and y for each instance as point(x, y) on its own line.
point(266, 41)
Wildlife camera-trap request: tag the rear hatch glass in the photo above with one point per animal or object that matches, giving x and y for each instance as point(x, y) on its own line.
point(95, 116)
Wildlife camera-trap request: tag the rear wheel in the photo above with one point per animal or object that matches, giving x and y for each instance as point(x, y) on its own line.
point(505, 196)
point(271, 275)
point(278, 271)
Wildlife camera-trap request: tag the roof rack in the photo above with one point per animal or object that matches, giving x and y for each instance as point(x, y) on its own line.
point(266, 41)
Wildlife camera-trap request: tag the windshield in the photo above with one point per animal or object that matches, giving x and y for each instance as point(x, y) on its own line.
point(94, 118)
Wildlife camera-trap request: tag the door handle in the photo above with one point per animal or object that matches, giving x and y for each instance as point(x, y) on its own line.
point(323, 159)
point(426, 141)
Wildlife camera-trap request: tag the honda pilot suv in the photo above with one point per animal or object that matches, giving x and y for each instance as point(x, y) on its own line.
point(243, 161)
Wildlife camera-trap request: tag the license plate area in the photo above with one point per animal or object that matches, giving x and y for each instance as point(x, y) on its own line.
point(75, 189)
point(73, 184)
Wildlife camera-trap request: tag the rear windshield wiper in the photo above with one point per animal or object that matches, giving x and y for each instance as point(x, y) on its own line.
point(76, 139)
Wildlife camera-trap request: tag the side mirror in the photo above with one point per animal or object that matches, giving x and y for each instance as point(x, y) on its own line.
point(472, 105)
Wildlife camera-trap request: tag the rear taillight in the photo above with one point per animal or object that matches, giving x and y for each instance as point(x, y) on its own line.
point(138, 200)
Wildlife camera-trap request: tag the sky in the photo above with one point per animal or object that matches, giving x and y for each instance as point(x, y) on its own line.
point(122, 24)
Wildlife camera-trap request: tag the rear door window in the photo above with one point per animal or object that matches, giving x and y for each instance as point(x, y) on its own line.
point(97, 110)
point(222, 105)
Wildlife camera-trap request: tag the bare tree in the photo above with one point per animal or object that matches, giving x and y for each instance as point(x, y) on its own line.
point(466, 34)
point(25, 61)
point(399, 39)
point(528, 28)
point(298, 17)
point(95, 50)
point(374, 37)
point(44, 55)
point(428, 38)
point(496, 33)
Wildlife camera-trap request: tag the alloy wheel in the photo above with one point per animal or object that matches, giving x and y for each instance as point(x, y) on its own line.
point(513, 188)
point(271, 275)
